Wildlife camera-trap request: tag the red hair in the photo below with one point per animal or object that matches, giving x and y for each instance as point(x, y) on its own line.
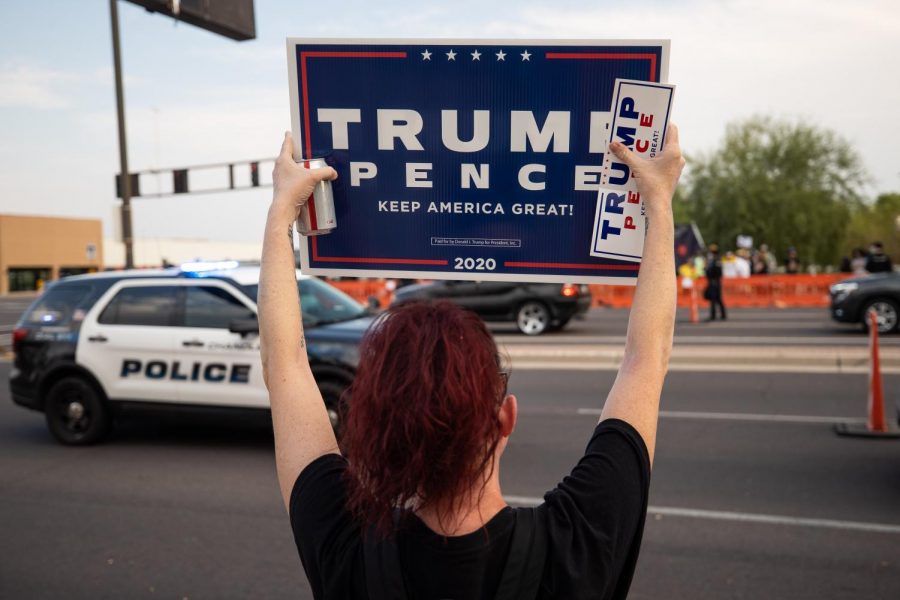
point(422, 423)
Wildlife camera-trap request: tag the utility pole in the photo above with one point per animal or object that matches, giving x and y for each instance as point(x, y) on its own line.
point(125, 176)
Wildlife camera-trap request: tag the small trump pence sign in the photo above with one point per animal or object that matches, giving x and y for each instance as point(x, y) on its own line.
point(639, 120)
point(465, 159)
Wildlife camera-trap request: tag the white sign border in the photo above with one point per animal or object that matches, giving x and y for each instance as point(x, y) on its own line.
point(291, 44)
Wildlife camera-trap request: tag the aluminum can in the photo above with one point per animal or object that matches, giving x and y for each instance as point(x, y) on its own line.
point(317, 215)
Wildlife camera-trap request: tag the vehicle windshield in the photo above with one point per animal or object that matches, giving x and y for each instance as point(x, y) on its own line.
point(58, 305)
point(322, 303)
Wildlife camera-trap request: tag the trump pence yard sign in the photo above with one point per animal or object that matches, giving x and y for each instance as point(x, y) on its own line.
point(463, 159)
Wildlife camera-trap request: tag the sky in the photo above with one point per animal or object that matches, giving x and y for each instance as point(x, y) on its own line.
point(193, 97)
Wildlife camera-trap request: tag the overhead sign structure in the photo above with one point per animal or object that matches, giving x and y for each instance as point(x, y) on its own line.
point(234, 19)
point(463, 159)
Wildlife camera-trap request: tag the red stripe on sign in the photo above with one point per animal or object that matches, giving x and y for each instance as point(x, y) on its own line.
point(389, 261)
point(308, 145)
point(351, 54)
point(548, 265)
point(608, 56)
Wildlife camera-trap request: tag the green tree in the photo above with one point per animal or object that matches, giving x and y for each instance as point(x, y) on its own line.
point(876, 222)
point(785, 183)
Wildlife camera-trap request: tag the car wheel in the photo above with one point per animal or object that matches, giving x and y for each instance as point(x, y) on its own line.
point(76, 412)
point(533, 318)
point(560, 325)
point(886, 311)
point(331, 393)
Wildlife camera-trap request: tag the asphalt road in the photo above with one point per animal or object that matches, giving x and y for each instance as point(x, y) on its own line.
point(745, 326)
point(769, 506)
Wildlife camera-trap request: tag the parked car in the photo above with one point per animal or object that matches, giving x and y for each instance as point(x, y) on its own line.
point(92, 346)
point(534, 307)
point(851, 300)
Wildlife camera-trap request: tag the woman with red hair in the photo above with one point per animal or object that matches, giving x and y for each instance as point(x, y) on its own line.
point(412, 507)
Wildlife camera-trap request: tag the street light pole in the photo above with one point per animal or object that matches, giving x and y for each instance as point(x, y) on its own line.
point(125, 177)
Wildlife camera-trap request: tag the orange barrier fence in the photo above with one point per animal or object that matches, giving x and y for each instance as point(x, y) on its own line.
point(361, 291)
point(760, 291)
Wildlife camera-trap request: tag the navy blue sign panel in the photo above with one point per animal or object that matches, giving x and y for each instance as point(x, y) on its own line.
point(462, 159)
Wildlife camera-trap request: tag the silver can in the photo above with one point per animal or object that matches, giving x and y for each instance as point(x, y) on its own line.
point(317, 215)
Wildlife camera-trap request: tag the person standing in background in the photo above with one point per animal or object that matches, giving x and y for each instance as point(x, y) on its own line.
point(729, 265)
point(742, 263)
point(858, 260)
point(878, 261)
point(713, 292)
point(762, 261)
point(699, 265)
point(792, 262)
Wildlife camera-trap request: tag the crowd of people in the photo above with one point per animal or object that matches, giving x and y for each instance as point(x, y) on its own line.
point(861, 262)
point(745, 262)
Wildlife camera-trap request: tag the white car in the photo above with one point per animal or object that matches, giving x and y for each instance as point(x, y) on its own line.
point(93, 345)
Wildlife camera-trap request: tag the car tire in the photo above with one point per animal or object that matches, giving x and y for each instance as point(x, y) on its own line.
point(76, 411)
point(888, 315)
point(332, 393)
point(559, 326)
point(533, 318)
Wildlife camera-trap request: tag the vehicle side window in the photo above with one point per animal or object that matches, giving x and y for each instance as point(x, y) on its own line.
point(208, 306)
point(57, 306)
point(152, 306)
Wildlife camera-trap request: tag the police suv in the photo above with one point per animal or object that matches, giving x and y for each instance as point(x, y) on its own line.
point(93, 345)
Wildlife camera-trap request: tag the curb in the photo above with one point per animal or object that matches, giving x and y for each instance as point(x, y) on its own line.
point(713, 358)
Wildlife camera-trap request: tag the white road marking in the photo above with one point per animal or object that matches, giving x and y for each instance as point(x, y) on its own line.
point(724, 416)
point(534, 365)
point(741, 517)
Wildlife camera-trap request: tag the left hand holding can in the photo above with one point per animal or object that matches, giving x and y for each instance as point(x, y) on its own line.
point(293, 184)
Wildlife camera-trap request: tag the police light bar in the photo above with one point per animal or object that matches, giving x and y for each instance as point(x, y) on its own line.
point(198, 267)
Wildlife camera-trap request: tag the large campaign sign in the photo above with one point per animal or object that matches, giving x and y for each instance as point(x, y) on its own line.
point(465, 159)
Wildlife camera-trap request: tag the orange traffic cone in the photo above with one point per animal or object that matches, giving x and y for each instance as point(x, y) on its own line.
point(695, 318)
point(877, 424)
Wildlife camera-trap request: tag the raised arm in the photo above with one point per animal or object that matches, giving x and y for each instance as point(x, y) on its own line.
point(634, 397)
point(302, 428)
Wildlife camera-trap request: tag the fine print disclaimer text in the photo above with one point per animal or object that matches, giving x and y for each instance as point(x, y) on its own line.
point(475, 242)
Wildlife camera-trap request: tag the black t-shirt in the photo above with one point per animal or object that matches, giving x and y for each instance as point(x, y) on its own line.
point(594, 517)
point(714, 270)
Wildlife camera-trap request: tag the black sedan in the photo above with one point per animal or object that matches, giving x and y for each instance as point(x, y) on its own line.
point(534, 307)
point(852, 299)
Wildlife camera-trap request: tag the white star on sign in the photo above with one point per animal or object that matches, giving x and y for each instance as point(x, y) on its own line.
point(476, 55)
point(526, 56)
point(501, 55)
point(451, 55)
point(426, 55)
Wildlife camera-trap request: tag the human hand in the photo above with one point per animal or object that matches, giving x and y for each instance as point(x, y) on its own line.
point(656, 177)
point(293, 185)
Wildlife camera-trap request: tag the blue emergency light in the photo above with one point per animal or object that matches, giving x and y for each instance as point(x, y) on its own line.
point(201, 268)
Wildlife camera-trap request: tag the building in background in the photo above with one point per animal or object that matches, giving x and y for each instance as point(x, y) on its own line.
point(157, 252)
point(35, 250)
